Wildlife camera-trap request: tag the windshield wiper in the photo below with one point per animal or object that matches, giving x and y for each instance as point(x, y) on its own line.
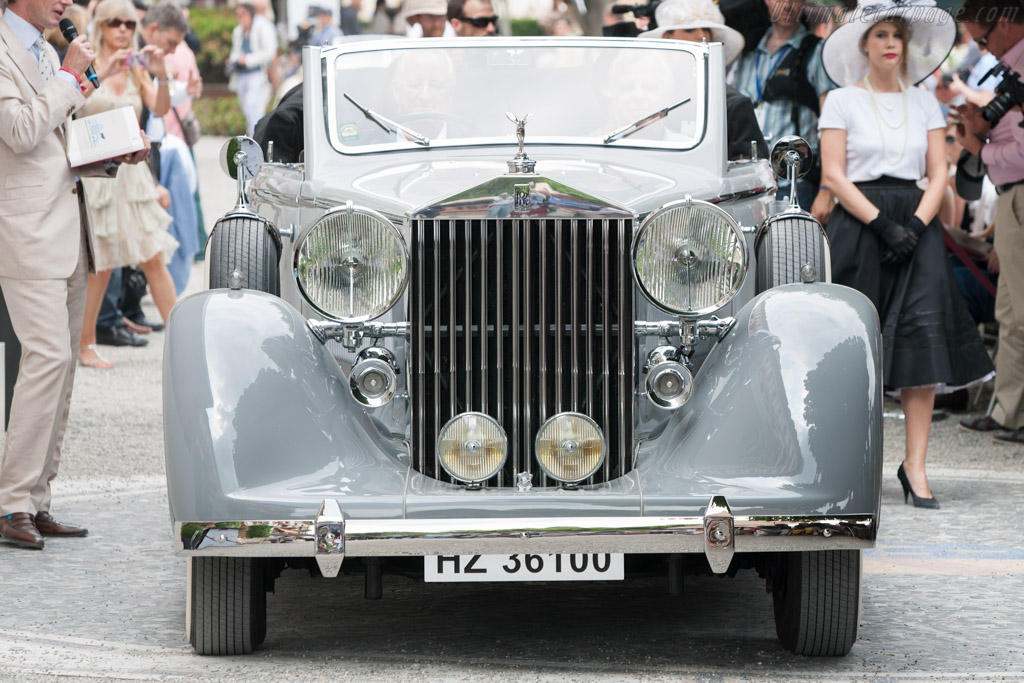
point(388, 125)
point(631, 128)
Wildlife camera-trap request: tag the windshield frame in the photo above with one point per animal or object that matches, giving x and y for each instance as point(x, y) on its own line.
point(329, 57)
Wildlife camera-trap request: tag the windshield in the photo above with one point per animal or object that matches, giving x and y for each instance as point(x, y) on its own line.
point(608, 94)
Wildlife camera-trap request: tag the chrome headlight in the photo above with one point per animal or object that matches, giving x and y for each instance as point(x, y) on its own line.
point(351, 264)
point(689, 258)
point(570, 447)
point(472, 447)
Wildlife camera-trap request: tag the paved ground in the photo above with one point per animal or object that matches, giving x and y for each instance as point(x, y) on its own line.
point(941, 601)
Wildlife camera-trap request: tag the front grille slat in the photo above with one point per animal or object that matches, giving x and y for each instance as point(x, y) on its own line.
point(559, 338)
point(437, 342)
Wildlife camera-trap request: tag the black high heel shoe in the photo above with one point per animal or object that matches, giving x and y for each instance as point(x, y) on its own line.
point(919, 502)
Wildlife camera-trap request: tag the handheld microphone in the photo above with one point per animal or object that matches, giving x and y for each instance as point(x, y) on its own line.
point(67, 28)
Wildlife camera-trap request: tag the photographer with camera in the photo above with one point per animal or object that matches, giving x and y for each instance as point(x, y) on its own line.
point(994, 134)
point(784, 77)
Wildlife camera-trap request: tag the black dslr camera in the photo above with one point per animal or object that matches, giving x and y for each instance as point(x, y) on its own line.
point(627, 29)
point(1009, 94)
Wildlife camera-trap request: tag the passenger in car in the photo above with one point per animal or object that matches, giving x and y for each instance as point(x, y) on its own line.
point(701, 20)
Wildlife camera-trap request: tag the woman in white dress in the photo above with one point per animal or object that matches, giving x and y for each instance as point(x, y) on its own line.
point(129, 223)
point(880, 136)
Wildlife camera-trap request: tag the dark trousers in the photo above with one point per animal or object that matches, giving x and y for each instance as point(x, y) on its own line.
point(120, 300)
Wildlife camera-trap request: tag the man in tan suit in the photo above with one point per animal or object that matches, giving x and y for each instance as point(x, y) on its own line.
point(44, 256)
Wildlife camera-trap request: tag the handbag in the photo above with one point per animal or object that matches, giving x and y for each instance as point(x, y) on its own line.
point(190, 128)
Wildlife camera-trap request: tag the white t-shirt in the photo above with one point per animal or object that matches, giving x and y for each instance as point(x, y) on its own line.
point(850, 109)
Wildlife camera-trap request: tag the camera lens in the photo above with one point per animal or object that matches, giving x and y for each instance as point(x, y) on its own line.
point(997, 108)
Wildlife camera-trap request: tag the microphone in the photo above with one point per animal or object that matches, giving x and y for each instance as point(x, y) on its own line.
point(67, 28)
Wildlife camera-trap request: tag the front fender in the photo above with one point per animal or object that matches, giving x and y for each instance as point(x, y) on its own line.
point(259, 420)
point(786, 414)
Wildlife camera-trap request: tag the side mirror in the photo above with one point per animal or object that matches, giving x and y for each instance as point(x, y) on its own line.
point(791, 158)
point(241, 158)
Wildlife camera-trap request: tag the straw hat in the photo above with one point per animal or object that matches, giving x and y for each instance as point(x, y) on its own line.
point(932, 34)
point(435, 7)
point(672, 15)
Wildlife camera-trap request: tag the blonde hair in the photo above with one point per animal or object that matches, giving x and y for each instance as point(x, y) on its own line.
point(113, 9)
point(901, 25)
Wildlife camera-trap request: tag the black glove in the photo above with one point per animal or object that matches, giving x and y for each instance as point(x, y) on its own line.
point(899, 241)
point(916, 227)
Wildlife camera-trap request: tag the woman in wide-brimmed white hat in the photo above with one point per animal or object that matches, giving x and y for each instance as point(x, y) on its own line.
point(701, 20)
point(879, 137)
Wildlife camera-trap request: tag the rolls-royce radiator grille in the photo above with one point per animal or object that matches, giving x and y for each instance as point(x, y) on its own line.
point(522, 320)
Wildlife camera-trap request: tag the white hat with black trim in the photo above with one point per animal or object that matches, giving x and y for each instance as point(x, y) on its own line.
point(674, 15)
point(932, 35)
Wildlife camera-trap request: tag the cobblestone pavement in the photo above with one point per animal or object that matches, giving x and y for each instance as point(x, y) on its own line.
point(941, 591)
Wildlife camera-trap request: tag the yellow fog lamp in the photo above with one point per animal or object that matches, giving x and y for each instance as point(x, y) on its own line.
point(570, 447)
point(472, 447)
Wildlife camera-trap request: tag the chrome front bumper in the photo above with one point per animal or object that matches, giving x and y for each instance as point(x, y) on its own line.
point(331, 537)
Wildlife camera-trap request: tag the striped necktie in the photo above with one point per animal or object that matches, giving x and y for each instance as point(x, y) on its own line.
point(45, 63)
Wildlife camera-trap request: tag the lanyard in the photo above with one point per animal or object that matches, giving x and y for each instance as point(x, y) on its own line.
point(783, 51)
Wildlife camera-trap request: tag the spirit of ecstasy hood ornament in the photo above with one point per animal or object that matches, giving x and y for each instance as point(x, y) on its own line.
point(520, 163)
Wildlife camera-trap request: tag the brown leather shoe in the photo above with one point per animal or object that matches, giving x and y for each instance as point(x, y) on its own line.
point(48, 526)
point(19, 529)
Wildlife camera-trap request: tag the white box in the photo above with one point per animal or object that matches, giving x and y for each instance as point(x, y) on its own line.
point(103, 136)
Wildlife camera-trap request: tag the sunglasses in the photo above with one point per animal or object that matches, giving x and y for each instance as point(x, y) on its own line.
point(129, 24)
point(480, 22)
point(983, 41)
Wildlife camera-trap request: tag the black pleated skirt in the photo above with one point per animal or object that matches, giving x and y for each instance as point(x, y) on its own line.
point(928, 336)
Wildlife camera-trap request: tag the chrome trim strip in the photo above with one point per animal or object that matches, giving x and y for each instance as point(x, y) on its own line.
point(421, 381)
point(436, 248)
point(544, 327)
point(467, 329)
point(403, 537)
point(485, 296)
point(625, 337)
point(452, 360)
point(559, 323)
point(499, 325)
point(575, 324)
point(606, 332)
point(516, 401)
point(589, 356)
point(525, 401)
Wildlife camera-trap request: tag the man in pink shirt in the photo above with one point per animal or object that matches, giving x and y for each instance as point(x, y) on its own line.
point(999, 26)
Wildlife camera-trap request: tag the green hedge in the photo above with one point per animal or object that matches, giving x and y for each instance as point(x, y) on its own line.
point(219, 115)
point(526, 27)
point(213, 28)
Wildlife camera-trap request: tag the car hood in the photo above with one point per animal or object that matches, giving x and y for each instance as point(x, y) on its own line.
point(397, 187)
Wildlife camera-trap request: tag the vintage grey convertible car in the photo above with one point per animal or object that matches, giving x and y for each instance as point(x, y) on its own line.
point(516, 318)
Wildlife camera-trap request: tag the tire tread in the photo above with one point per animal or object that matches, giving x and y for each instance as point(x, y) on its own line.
point(246, 244)
point(816, 605)
point(229, 605)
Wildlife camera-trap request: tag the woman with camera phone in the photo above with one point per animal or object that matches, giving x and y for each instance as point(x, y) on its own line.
point(129, 220)
point(880, 138)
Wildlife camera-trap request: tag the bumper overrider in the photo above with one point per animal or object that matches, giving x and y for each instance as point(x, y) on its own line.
point(332, 537)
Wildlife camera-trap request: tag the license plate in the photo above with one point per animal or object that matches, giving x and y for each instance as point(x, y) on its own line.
point(550, 567)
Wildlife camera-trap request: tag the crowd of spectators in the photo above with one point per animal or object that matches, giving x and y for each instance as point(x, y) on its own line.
point(147, 223)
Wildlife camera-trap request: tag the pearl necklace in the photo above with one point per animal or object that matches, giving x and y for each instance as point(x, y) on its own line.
point(881, 120)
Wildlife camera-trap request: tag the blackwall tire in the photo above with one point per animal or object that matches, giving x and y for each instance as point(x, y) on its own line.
point(785, 246)
point(246, 244)
point(817, 601)
point(229, 605)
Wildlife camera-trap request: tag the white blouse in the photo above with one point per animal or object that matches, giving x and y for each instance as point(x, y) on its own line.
point(850, 109)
